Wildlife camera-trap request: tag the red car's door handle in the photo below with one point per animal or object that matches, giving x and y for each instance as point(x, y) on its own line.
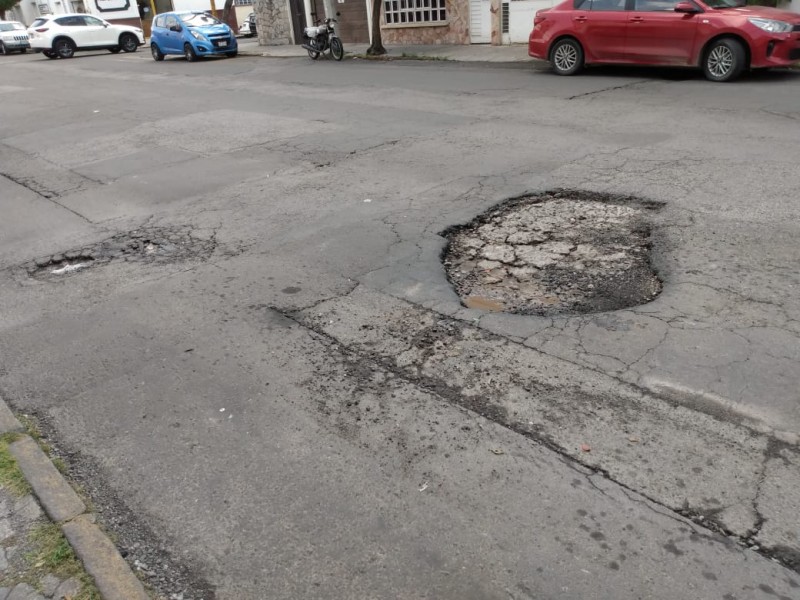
point(636, 19)
point(579, 19)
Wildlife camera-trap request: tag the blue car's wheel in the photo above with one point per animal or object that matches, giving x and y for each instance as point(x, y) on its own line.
point(157, 54)
point(189, 53)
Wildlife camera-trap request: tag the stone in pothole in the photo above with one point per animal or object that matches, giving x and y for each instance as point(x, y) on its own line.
point(555, 253)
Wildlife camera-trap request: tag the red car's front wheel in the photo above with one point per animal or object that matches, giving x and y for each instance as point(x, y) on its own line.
point(566, 56)
point(724, 60)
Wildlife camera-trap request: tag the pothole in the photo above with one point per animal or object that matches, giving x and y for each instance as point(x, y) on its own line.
point(554, 253)
point(149, 245)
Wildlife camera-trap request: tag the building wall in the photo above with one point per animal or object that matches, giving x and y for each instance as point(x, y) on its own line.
point(242, 12)
point(25, 12)
point(520, 17)
point(456, 31)
point(28, 10)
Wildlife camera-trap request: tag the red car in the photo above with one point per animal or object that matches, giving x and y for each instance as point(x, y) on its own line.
point(718, 36)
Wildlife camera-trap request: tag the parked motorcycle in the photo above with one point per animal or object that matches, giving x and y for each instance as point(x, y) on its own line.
point(321, 38)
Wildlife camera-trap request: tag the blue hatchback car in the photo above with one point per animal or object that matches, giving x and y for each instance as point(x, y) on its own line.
point(192, 34)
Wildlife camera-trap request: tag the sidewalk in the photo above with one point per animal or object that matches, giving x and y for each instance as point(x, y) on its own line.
point(463, 53)
point(50, 546)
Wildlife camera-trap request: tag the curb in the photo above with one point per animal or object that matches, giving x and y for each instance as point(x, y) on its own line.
point(112, 575)
point(388, 58)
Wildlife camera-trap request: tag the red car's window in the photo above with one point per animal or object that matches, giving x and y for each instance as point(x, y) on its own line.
point(654, 5)
point(613, 5)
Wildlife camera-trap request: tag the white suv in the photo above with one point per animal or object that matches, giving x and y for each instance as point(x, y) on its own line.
point(13, 37)
point(62, 35)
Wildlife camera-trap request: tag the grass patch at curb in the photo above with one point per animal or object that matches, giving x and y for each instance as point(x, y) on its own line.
point(52, 554)
point(11, 478)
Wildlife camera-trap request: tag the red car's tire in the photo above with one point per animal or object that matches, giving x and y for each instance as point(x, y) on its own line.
point(724, 60)
point(566, 56)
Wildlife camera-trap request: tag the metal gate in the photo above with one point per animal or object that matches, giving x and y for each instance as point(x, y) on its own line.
point(480, 21)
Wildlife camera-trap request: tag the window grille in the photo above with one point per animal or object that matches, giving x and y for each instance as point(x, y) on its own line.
point(399, 12)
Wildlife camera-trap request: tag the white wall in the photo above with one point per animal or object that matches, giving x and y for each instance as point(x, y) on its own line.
point(520, 18)
point(179, 5)
point(25, 12)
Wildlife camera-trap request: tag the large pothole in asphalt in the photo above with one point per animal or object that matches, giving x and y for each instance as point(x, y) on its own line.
point(147, 245)
point(554, 253)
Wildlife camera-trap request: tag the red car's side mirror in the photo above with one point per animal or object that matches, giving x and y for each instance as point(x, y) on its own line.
point(686, 7)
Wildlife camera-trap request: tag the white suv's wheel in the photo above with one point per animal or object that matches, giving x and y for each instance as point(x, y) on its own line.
point(65, 48)
point(128, 42)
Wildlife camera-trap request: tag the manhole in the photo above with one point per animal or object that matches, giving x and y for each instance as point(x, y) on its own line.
point(151, 245)
point(554, 253)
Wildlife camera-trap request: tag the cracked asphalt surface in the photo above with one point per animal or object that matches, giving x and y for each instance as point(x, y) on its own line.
point(306, 410)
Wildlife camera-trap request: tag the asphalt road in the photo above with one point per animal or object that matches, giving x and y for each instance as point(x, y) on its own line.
point(296, 405)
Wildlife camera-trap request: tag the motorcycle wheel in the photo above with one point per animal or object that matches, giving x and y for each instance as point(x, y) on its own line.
point(337, 50)
point(313, 54)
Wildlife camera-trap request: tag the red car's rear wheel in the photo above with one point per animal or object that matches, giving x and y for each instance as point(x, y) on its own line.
point(566, 56)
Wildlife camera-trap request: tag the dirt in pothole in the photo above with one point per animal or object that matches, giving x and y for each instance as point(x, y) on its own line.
point(147, 245)
point(555, 253)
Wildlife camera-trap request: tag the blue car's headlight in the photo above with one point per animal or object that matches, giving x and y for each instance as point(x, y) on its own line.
point(197, 36)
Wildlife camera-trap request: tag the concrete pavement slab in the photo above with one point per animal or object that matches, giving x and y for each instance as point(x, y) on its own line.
point(128, 366)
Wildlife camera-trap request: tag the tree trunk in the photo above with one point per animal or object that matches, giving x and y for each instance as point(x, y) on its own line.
point(376, 47)
point(226, 12)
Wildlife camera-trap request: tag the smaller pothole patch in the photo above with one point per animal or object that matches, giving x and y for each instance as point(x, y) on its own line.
point(149, 245)
point(554, 253)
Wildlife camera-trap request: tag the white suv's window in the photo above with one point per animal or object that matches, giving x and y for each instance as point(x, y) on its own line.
point(38, 22)
point(71, 22)
point(93, 21)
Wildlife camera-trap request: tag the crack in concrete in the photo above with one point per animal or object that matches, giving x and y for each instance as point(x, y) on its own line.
point(445, 392)
point(610, 89)
point(47, 195)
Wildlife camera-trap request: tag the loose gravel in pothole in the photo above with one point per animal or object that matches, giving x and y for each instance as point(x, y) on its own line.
point(555, 253)
point(147, 245)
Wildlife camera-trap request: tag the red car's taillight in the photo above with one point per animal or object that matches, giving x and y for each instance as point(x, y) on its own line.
point(41, 30)
point(538, 19)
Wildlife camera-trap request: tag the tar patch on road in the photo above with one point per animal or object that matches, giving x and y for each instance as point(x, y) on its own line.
point(150, 245)
point(555, 253)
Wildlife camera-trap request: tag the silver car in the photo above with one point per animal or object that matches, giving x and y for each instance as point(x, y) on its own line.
point(13, 37)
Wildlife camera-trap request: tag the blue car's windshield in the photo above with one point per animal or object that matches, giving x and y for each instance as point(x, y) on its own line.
point(199, 20)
